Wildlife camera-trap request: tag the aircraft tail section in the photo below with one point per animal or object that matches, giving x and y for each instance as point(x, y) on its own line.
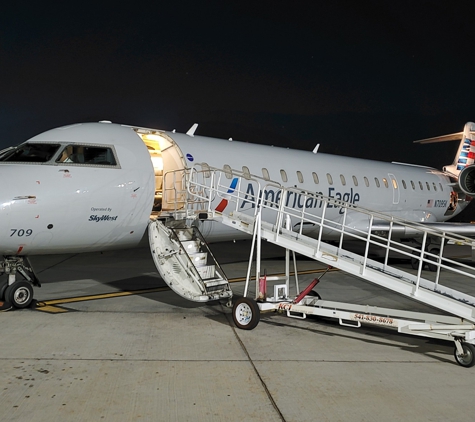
point(465, 155)
point(466, 152)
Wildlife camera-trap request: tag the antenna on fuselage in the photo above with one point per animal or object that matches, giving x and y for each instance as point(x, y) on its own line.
point(315, 150)
point(191, 131)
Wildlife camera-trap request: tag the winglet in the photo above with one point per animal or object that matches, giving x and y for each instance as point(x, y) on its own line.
point(192, 129)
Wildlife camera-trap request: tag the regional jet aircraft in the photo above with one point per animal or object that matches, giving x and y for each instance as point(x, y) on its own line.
point(96, 186)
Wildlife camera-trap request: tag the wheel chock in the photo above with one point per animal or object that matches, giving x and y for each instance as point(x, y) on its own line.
point(5, 306)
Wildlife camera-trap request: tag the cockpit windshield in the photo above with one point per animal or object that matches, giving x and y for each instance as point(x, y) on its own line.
point(30, 153)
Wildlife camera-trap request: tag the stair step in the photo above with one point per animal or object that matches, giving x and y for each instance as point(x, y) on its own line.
point(179, 270)
point(214, 282)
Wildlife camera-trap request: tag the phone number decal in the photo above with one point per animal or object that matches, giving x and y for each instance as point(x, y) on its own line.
point(374, 319)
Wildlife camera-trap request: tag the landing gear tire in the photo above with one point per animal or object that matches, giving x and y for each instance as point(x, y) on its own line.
point(467, 360)
point(3, 287)
point(433, 267)
point(19, 294)
point(246, 313)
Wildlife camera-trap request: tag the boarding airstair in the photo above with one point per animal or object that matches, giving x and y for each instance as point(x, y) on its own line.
point(262, 209)
point(186, 263)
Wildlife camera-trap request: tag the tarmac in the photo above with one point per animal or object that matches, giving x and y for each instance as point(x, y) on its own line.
point(110, 342)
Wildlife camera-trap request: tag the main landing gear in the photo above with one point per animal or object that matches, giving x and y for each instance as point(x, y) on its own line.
point(17, 293)
point(431, 267)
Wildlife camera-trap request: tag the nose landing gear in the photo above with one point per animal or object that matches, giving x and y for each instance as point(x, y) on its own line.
point(17, 293)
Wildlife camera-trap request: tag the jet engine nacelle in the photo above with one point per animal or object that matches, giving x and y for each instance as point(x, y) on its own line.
point(467, 180)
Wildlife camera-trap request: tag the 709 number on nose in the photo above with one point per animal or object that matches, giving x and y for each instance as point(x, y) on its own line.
point(21, 232)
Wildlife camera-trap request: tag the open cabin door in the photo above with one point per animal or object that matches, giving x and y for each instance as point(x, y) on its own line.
point(186, 264)
point(169, 169)
point(174, 181)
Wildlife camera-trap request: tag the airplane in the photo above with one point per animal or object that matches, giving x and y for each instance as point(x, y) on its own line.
point(95, 186)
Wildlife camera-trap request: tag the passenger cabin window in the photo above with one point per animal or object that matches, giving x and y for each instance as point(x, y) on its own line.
point(385, 181)
point(330, 179)
point(30, 153)
point(376, 181)
point(343, 181)
point(404, 184)
point(283, 175)
point(315, 177)
point(228, 172)
point(413, 186)
point(265, 174)
point(246, 173)
point(366, 181)
point(435, 186)
point(299, 176)
point(87, 155)
point(428, 186)
point(355, 181)
point(420, 185)
point(441, 188)
point(394, 183)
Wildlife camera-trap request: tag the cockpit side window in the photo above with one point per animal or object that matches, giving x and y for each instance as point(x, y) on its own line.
point(88, 155)
point(30, 153)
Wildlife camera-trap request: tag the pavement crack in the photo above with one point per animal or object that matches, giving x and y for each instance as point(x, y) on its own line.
point(264, 385)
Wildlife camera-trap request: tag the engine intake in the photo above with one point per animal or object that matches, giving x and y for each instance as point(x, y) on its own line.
point(467, 180)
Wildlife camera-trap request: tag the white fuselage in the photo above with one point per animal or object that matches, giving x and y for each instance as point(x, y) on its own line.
point(62, 206)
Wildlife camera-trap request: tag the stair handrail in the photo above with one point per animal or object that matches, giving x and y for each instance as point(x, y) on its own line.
point(388, 240)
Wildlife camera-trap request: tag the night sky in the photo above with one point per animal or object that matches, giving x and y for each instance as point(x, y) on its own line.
point(362, 78)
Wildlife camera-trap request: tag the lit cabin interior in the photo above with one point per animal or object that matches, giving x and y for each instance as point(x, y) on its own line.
point(168, 166)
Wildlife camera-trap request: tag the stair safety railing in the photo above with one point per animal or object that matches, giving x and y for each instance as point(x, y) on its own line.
point(182, 199)
point(317, 217)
